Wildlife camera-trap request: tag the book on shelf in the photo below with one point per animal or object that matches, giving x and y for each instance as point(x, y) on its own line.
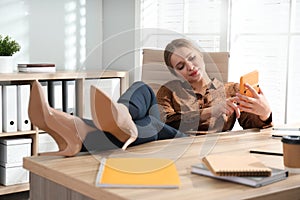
point(236, 165)
point(137, 173)
point(253, 181)
point(37, 67)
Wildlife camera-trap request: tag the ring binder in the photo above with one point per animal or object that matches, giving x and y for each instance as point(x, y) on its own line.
point(9, 98)
point(1, 109)
point(55, 94)
point(24, 123)
point(69, 96)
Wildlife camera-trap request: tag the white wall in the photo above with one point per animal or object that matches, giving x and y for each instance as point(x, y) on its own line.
point(119, 35)
point(72, 33)
point(64, 32)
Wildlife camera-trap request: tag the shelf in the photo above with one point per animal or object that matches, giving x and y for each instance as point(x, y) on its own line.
point(80, 77)
point(13, 188)
point(18, 76)
point(5, 134)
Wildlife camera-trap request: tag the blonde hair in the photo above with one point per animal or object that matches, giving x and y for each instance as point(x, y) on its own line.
point(172, 46)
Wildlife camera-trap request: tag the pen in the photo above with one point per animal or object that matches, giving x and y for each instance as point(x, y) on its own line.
point(277, 136)
point(286, 129)
point(266, 153)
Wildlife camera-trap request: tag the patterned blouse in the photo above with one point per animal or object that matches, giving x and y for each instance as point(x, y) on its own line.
point(186, 110)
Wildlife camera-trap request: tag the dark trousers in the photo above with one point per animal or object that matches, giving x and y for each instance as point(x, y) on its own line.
point(142, 105)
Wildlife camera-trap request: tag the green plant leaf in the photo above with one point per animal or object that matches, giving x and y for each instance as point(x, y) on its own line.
point(8, 46)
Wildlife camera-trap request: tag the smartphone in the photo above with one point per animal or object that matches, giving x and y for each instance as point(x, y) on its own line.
point(250, 78)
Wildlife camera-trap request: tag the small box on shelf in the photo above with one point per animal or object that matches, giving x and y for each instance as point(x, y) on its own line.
point(47, 143)
point(12, 151)
point(12, 174)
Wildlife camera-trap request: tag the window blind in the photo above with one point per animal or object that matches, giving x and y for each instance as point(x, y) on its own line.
point(200, 21)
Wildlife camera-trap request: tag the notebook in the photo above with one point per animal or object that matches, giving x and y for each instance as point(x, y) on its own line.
point(235, 165)
point(137, 173)
point(277, 175)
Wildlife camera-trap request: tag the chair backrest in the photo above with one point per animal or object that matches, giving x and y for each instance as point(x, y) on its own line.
point(155, 72)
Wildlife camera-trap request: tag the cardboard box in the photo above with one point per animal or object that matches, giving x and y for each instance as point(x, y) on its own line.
point(11, 174)
point(12, 150)
point(47, 143)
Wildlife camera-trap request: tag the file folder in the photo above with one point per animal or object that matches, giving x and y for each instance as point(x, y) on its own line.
point(69, 96)
point(9, 98)
point(23, 92)
point(1, 109)
point(45, 88)
point(55, 94)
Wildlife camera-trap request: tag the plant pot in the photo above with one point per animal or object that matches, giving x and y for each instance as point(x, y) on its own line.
point(6, 64)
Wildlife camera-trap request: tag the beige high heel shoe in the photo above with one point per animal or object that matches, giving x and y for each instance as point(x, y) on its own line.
point(112, 117)
point(61, 126)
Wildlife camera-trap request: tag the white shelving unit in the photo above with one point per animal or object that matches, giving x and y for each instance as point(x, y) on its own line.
point(80, 78)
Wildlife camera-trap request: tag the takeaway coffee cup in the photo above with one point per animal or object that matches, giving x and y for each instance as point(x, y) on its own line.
point(291, 153)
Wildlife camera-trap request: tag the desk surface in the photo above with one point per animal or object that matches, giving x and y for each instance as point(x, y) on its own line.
point(79, 173)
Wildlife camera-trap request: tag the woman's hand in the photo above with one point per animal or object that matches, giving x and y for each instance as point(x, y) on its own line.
point(231, 106)
point(257, 104)
point(227, 107)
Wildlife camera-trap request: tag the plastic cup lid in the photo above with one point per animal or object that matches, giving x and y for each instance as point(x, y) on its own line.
point(291, 139)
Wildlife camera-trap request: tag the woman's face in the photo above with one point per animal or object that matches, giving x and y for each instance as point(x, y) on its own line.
point(188, 63)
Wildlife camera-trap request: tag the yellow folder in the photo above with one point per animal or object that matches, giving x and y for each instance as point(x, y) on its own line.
point(138, 173)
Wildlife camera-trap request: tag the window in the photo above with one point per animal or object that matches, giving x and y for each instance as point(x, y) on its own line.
point(259, 34)
point(202, 21)
point(293, 91)
point(259, 40)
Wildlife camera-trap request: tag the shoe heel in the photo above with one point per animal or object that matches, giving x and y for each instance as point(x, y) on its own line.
point(44, 117)
point(112, 117)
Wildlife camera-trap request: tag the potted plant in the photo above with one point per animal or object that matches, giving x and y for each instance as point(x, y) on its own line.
point(8, 47)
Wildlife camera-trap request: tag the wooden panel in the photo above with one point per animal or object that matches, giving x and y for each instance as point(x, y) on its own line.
point(48, 190)
point(13, 188)
point(8, 134)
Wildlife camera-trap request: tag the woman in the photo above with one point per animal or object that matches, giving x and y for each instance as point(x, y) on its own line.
point(197, 103)
point(133, 120)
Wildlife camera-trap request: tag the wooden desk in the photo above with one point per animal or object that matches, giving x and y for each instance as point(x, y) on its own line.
point(74, 178)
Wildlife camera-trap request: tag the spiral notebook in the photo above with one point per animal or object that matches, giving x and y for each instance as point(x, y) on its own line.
point(253, 181)
point(236, 165)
